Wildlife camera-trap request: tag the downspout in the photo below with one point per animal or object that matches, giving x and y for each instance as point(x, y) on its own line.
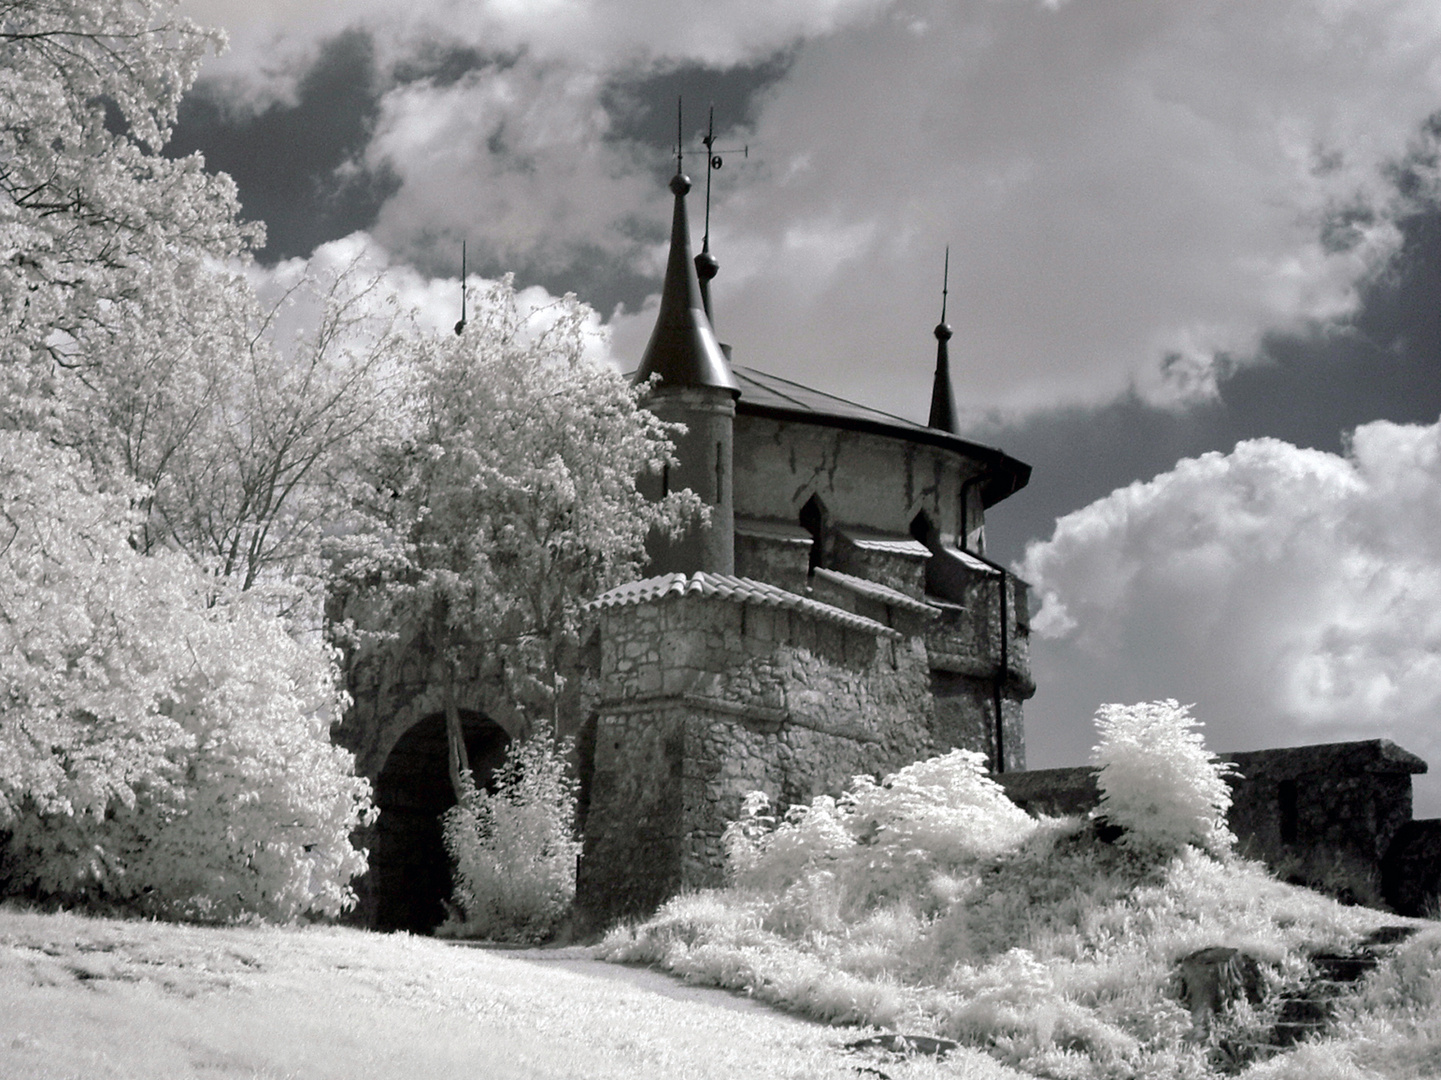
point(1002, 674)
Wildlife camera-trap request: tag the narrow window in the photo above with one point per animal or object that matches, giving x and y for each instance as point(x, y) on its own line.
point(719, 475)
point(813, 520)
point(1290, 819)
point(665, 480)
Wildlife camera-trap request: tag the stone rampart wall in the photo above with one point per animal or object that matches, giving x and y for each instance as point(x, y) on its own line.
point(705, 699)
point(1299, 809)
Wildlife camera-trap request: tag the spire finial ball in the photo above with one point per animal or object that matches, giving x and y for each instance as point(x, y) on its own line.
point(943, 332)
point(680, 183)
point(707, 266)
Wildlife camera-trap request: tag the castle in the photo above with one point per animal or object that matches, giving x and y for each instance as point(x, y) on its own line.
point(837, 615)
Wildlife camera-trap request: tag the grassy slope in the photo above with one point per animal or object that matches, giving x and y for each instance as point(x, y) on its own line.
point(104, 999)
point(1057, 957)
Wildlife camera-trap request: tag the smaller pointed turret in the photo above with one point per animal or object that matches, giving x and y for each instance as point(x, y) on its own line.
point(695, 388)
point(943, 399)
point(683, 349)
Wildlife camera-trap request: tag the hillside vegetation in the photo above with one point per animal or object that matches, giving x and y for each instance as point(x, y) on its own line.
point(930, 904)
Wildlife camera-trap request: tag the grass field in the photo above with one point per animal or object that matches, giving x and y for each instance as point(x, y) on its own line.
point(100, 999)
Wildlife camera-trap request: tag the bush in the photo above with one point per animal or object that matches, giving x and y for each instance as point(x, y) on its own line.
point(164, 742)
point(1159, 782)
point(514, 849)
point(880, 840)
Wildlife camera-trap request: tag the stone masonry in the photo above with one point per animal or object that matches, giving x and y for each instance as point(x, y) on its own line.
point(715, 686)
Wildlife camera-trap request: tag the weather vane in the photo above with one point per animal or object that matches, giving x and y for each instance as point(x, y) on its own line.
point(705, 263)
point(460, 326)
point(945, 283)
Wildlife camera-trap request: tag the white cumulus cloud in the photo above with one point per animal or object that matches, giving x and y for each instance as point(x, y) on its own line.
point(1294, 595)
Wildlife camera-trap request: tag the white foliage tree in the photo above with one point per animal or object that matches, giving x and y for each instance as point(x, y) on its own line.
point(1159, 782)
point(245, 443)
point(515, 848)
point(99, 229)
point(163, 735)
point(506, 501)
point(163, 745)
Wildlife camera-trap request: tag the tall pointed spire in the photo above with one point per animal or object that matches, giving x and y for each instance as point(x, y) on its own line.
point(943, 399)
point(683, 349)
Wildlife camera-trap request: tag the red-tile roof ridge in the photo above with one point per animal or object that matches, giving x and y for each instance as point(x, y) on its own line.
point(737, 590)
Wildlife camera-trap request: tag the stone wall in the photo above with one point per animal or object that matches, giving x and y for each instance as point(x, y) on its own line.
point(1411, 871)
point(705, 698)
point(867, 480)
point(971, 680)
point(1343, 808)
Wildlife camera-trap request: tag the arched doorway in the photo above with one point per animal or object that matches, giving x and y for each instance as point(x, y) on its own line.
point(409, 869)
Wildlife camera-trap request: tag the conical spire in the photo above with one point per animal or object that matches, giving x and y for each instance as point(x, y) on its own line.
point(683, 350)
point(943, 399)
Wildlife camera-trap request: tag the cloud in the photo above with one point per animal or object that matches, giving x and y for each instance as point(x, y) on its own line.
point(1134, 197)
point(295, 289)
point(1127, 193)
point(513, 156)
point(1294, 595)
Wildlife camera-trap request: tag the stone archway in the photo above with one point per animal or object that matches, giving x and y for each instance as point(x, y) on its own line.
point(409, 868)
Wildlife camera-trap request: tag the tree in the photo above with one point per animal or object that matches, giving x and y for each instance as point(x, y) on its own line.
point(163, 742)
point(244, 442)
point(514, 848)
point(508, 501)
point(163, 734)
point(99, 228)
point(1159, 782)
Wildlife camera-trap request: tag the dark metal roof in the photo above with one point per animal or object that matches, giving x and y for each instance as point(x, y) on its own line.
point(683, 349)
point(943, 399)
point(767, 395)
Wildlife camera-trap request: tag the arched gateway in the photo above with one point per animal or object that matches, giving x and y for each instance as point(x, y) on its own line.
point(409, 870)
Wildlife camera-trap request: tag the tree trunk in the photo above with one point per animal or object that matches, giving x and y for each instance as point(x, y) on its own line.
point(455, 740)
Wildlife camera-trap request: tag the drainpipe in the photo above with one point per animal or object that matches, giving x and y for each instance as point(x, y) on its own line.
point(1002, 674)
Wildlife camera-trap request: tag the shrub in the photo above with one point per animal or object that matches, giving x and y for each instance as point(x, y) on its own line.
point(765, 854)
point(164, 741)
point(514, 849)
point(886, 840)
point(1159, 782)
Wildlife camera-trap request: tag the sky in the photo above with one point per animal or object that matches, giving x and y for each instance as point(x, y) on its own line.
point(1195, 277)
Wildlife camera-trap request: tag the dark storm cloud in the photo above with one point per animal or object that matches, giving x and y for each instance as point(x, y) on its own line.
point(1382, 364)
point(644, 109)
point(295, 162)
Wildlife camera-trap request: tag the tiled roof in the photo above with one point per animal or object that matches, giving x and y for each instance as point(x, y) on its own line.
point(737, 590)
point(874, 590)
point(889, 543)
point(971, 562)
point(773, 530)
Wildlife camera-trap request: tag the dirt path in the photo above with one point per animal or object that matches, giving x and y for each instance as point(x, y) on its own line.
point(581, 960)
point(107, 1000)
